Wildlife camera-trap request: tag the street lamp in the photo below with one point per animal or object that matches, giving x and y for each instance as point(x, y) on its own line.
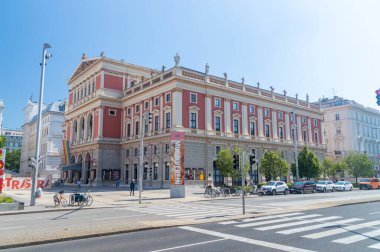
point(37, 160)
point(295, 143)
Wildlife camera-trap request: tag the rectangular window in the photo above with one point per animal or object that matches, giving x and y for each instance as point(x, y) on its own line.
point(217, 149)
point(315, 122)
point(127, 153)
point(293, 134)
point(337, 117)
point(137, 108)
point(155, 149)
point(167, 124)
point(193, 98)
point(281, 132)
point(235, 106)
point(303, 119)
point(156, 101)
point(193, 120)
point(217, 123)
point(280, 115)
point(316, 137)
point(252, 128)
point(251, 109)
point(167, 171)
point(128, 111)
point(216, 102)
point(112, 112)
point(145, 150)
point(304, 136)
point(146, 104)
point(128, 130)
point(168, 97)
point(137, 129)
point(236, 126)
point(136, 152)
point(155, 171)
point(135, 171)
point(156, 123)
point(167, 148)
point(267, 130)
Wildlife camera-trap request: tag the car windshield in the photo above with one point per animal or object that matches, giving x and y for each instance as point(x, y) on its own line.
point(298, 183)
point(321, 182)
point(271, 183)
point(340, 183)
point(365, 180)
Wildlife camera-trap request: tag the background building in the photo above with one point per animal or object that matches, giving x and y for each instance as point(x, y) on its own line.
point(51, 138)
point(350, 126)
point(108, 98)
point(13, 139)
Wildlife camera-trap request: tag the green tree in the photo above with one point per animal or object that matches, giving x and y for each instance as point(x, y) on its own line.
point(308, 164)
point(359, 165)
point(2, 141)
point(327, 166)
point(339, 167)
point(273, 165)
point(12, 160)
point(224, 163)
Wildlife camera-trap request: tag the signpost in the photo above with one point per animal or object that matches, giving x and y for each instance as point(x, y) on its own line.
point(177, 173)
point(2, 164)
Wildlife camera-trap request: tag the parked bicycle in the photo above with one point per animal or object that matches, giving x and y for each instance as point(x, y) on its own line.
point(59, 199)
point(80, 199)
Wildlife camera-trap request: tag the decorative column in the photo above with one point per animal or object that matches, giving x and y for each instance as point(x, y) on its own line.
point(227, 116)
point(101, 79)
point(100, 128)
point(208, 114)
point(261, 121)
point(244, 120)
point(299, 129)
point(287, 128)
point(309, 129)
point(274, 125)
point(85, 134)
point(177, 108)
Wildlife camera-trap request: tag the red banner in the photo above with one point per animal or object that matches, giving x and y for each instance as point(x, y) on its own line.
point(21, 183)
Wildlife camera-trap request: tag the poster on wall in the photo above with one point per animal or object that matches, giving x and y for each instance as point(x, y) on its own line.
point(177, 175)
point(2, 167)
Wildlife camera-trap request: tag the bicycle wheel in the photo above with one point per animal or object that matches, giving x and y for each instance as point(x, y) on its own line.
point(214, 193)
point(63, 202)
point(56, 201)
point(89, 200)
point(72, 199)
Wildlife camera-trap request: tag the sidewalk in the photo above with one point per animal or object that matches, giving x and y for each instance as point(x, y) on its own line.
point(104, 197)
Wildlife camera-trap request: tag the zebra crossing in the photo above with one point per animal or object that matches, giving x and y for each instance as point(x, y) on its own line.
point(315, 226)
point(198, 210)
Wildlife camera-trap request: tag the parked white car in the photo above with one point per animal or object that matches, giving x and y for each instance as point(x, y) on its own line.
point(343, 186)
point(274, 187)
point(324, 186)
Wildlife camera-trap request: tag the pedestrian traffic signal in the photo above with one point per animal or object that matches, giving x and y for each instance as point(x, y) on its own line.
point(150, 172)
point(236, 162)
point(378, 96)
point(252, 160)
point(149, 117)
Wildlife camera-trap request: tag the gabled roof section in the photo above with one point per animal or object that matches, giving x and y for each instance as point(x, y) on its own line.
point(83, 66)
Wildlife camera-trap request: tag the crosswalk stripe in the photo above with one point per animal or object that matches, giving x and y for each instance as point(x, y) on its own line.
point(227, 222)
point(308, 228)
point(375, 246)
point(358, 237)
point(297, 223)
point(220, 213)
point(277, 220)
point(204, 212)
point(341, 230)
point(270, 217)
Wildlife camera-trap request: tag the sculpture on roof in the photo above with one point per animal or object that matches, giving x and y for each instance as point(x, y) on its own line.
point(225, 76)
point(163, 68)
point(242, 80)
point(177, 58)
point(307, 97)
point(258, 84)
point(284, 92)
point(207, 68)
point(271, 89)
point(102, 54)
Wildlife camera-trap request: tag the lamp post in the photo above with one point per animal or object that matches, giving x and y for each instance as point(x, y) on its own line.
point(45, 56)
point(295, 143)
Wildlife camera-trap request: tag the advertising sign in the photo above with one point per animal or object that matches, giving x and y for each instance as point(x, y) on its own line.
point(22, 183)
point(177, 171)
point(2, 164)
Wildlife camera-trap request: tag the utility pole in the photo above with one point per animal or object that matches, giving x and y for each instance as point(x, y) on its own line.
point(242, 181)
point(141, 170)
point(295, 144)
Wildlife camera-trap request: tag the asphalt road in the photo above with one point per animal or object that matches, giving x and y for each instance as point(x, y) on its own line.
point(345, 228)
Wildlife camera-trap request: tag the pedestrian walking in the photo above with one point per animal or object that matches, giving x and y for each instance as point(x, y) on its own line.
point(78, 184)
point(117, 182)
point(132, 186)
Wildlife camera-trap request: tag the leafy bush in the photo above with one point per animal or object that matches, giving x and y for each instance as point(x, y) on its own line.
point(260, 185)
point(289, 184)
point(356, 185)
point(6, 199)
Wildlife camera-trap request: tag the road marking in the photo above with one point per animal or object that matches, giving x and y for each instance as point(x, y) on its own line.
point(297, 223)
point(227, 222)
point(341, 230)
point(358, 237)
point(270, 217)
point(277, 221)
point(119, 217)
point(375, 246)
point(3, 228)
point(189, 245)
point(308, 228)
point(375, 213)
point(246, 240)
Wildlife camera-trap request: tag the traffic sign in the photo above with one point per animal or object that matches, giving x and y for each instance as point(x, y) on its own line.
point(1, 164)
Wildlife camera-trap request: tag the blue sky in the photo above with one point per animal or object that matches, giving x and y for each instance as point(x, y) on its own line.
point(311, 47)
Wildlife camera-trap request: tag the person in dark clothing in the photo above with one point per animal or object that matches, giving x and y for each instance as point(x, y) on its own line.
point(132, 186)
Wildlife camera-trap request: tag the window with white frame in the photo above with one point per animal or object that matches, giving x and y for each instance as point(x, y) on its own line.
point(193, 98)
point(217, 123)
point(112, 112)
point(167, 148)
point(267, 130)
point(193, 120)
point(304, 119)
point(128, 111)
point(128, 130)
point(167, 120)
point(316, 137)
point(168, 98)
point(137, 108)
point(337, 117)
point(235, 106)
point(266, 112)
point(280, 115)
point(252, 128)
point(251, 109)
point(156, 123)
point(304, 136)
point(137, 129)
point(236, 126)
point(156, 101)
point(281, 132)
point(217, 102)
point(146, 104)
point(315, 122)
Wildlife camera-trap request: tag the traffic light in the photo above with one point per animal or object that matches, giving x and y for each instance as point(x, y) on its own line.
point(252, 160)
point(149, 117)
point(378, 96)
point(236, 162)
point(150, 172)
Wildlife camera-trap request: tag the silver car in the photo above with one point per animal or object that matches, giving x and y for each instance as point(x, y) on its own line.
point(343, 186)
point(324, 186)
point(274, 187)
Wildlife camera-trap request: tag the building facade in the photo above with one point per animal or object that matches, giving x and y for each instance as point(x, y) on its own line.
point(13, 139)
point(108, 100)
point(350, 126)
point(51, 138)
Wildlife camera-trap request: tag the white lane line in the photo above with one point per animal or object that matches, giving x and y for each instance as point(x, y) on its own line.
point(227, 222)
point(219, 213)
point(4, 228)
point(341, 230)
point(358, 237)
point(270, 217)
point(297, 223)
point(188, 245)
point(375, 246)
point(375, 213)
point(277, 220)
point(308, 228)
point(119, 217)
point(246, 240)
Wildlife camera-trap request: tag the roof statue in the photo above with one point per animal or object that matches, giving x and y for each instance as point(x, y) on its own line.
point(207, 68)
point(258, 84)
point(271, 89)
point(284, 92)
point(163, 68)
point(225, 76)
point(177, 58)
point(84, 56)
point(242, 80)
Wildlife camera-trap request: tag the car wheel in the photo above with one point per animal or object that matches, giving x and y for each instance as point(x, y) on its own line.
point(286, 191)
point(273, 192)
point(351, 188)
point(324, 189)
point(332, 189)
